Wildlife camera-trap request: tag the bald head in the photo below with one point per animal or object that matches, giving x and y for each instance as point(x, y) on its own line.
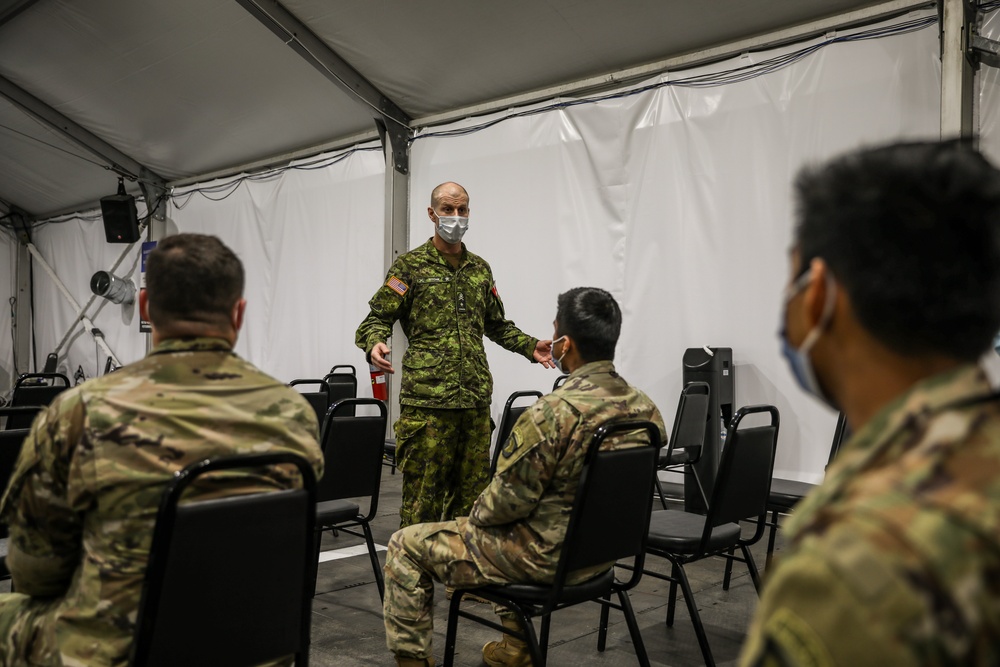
point(448, 190)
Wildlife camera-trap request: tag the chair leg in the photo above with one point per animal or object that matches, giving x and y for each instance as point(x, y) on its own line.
point(729, 570)
point(543, 640)
point(672, 596)
point(602, 632)
point(701, 489)
point(752, 567)
point(659, 491)
point(770, 538)
point(449, 640)
point(373, 555)
point(699, 628)
point(633, 629)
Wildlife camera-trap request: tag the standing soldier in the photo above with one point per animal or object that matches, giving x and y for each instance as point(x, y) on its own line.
point(445, 299)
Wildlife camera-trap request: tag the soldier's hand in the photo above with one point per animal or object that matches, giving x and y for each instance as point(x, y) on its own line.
point(542, 354)
point(380, 357)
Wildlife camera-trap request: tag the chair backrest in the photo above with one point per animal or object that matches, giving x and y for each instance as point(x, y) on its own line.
point(342, 381)
point(508, 418)
point(352, 452)
point(319, 399)
point(559, 381)
point(691, 420)
point(11, 442)
point(610, 516)
point(19, 417)
point(743, 483)
point(35, 389)
point(229, 580)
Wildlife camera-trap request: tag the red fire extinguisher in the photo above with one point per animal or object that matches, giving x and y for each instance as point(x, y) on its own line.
point(380, 390)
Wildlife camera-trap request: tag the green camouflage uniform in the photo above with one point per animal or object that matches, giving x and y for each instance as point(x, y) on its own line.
point(83, 499)
point(517, 524)
point(444, 426)
point(895, 558)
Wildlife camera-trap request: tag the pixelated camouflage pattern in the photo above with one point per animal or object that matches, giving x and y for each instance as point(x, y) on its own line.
point(518, 523)
point(444, 313)
point(445, 459)
point(83, 499)
point(895, 558)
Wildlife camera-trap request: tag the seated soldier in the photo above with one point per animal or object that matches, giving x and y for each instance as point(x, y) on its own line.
point(83, 499)
point(517, 525)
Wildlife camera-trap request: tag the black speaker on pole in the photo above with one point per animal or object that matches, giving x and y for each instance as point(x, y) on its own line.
point(121, 219)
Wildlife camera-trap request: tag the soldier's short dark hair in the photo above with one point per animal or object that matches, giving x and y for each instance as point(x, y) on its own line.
point(911, 232)
point(592, 318)
point(192, 277)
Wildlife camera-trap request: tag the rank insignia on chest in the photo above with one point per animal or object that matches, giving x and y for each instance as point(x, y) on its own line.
point(397, 285)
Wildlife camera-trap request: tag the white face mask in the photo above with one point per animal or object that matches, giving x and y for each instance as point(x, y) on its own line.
point(558, 362)
point(451, 228)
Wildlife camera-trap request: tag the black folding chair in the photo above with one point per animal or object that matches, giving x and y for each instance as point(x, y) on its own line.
point(786, 493)
point(609, 521)
point(35, 389)
point(352, 454)
point(319, 399)
point(342, 381)
point(559, 381)
point(687, 440)
point(508, 418)
point(741, 490)
point(24, 415)
point(11, 442)
point(228, 580)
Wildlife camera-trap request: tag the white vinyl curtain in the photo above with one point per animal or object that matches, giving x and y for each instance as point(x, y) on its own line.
point(989, 96)
point(676, 200)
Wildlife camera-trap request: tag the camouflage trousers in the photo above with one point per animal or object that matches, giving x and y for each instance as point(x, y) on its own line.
point(445, 459)
point(418, 556)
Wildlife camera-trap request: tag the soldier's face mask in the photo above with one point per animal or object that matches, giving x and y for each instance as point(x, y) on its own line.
point(798, 358)
point(451, 228)
point(558, 361)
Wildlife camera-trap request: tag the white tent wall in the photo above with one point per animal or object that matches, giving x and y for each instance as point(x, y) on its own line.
point(989, 95)
point(309, 240)
point(679, 202)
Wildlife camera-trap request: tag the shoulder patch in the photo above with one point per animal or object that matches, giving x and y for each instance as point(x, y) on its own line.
point(494, 291)
point(397, 285)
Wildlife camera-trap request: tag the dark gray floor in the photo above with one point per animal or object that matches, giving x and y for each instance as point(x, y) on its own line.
point(347, 620)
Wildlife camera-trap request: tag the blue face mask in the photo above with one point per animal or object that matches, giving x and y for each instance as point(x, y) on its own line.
point(798, 359)
point(558, 362)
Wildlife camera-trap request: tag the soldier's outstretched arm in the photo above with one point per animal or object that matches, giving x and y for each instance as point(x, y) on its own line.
point(505, 333)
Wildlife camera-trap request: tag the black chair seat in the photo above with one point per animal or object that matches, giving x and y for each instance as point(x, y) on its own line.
point(681, 532)
point(677, 457)
point(539, 593)
point(336, 511)
point(786, 493)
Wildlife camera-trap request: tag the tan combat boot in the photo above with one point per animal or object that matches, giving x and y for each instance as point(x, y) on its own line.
point(509, 651)
point(414, 662)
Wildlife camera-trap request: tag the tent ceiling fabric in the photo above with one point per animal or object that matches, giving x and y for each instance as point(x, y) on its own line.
point(194, 86)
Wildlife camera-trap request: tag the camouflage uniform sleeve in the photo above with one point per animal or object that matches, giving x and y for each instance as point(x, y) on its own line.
point(837, 601)
point(524, 469)
point(44, 547)
point(502, 331)
point(390, 303)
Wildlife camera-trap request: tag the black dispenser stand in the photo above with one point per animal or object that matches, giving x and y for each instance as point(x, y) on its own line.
point(715, 366)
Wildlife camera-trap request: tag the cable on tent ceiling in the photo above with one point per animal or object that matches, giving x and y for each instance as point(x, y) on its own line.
point(735, 75)
point(229, 187)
